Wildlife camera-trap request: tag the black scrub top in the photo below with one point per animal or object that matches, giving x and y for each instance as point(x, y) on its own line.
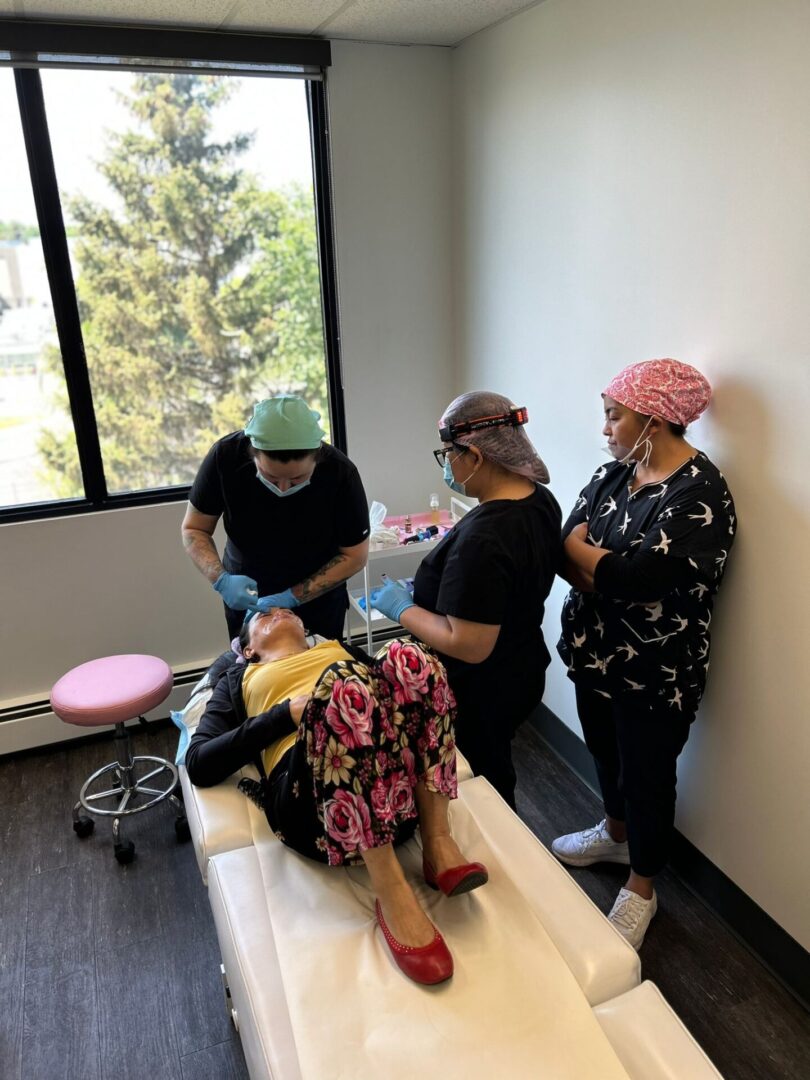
point(658, 649)
point(281, 541)
point(496, 566)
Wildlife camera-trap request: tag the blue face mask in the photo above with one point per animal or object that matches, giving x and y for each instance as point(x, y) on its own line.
point(451, 481)
point(277, 491)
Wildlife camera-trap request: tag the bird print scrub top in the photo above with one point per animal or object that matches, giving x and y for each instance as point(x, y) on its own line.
point(653, 641)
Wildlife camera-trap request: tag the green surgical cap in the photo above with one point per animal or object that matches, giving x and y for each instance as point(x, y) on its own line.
point(284, 423)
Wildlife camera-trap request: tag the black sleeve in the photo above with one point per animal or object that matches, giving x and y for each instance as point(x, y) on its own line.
point(353, 523)
point(221, 744)
point(206, 491)
point(643, 579)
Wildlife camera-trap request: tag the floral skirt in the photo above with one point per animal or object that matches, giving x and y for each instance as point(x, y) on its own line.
point(370, 732)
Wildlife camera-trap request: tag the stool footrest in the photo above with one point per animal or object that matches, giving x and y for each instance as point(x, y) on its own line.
point(126, 791)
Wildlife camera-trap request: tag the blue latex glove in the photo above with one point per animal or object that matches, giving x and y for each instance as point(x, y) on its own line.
point(278, 599)
point(392, 599)
point(238, 592)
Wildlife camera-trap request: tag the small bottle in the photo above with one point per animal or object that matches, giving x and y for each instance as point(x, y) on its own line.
point(434, 509)
point(407, 523)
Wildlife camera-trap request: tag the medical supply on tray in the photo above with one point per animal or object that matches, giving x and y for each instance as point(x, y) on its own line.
point(402, 529)
point(381, 535)
point(421, 534)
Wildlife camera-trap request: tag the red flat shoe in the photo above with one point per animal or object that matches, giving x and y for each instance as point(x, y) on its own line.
point(456, 880)
point(427, 964)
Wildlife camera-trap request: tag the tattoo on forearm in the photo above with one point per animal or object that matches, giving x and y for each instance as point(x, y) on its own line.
point(322, 581)
point(203, 553)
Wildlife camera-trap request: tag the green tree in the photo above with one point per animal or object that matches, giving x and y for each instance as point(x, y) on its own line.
point(198, 291)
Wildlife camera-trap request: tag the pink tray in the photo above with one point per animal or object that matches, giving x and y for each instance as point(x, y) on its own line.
point(419, 521)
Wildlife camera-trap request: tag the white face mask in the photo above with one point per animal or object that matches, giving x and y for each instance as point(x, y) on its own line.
point(627, 458)
point(277, 490)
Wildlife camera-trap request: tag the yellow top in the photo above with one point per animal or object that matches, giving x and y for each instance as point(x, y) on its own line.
point(267, 684)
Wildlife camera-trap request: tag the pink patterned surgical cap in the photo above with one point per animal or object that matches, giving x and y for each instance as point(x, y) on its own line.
point(667, 388)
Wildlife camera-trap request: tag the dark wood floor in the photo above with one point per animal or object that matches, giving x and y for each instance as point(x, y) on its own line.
point(113, 972)
point(105, 970)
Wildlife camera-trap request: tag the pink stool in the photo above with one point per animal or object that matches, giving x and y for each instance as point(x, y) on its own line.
point(110, 691)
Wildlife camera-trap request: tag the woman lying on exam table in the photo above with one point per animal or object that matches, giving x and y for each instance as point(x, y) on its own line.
point(354, 752)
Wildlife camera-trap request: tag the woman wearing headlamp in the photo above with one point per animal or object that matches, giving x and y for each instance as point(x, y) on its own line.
point(479, 596)
point(295, 514)
point(646, 547)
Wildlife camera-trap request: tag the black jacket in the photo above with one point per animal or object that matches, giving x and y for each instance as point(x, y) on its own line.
point(227, 738)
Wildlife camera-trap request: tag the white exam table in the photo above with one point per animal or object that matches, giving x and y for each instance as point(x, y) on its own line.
point(543, 987)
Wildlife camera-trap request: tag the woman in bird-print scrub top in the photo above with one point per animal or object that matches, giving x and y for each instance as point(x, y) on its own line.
point(645, 550)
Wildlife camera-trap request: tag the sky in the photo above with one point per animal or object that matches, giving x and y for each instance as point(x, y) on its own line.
point(81, 106)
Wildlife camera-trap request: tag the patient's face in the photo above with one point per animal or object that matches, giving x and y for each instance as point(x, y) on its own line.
point(264, 625)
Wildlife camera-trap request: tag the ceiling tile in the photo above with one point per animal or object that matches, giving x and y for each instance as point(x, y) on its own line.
point(282, 16)
point(420, 22)
point(203, 13)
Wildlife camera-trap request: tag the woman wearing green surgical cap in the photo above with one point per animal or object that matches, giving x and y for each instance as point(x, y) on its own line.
point(295, 515)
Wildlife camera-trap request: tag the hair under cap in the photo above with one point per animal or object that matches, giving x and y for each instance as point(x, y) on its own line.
point(507, 445)
point(285, 422)
point(667, 388)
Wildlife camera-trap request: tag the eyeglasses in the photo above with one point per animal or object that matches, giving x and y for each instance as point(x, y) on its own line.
point(441, 455)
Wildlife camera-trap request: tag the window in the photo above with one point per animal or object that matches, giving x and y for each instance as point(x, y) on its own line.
point(165, 261)
point(33, 394)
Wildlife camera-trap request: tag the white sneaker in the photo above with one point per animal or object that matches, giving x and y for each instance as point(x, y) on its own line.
point(632, 914)
point(590, 846)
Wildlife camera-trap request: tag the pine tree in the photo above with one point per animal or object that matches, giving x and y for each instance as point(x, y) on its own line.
point(197, 291)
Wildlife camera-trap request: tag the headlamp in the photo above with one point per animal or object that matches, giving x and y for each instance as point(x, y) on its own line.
point(514, 418)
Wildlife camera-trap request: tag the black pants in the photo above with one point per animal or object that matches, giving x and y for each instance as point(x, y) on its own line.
point(486, 726)
point(635, 746)
point(489, 753)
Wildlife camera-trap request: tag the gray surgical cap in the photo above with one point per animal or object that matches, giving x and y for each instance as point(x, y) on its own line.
point(506, 444)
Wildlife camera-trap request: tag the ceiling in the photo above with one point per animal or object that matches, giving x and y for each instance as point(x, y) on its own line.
point(401, 22)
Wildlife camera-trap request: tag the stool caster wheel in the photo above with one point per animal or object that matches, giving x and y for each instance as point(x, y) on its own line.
point(124, 852)
point(83, 827)
point(181, 829)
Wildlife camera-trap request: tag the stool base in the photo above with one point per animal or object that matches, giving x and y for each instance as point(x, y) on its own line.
point(129, 792)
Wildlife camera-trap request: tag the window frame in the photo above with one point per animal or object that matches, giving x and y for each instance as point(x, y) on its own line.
point(34, 46)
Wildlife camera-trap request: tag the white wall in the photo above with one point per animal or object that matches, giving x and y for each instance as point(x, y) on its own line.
point(77, 587)
point(635, 182)
point(390, 117)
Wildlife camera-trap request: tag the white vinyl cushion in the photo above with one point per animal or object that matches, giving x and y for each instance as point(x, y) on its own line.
point(236, 893)
point(221, 818)
point(513, 1008)
point(602, 962)
point(650, 1040)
